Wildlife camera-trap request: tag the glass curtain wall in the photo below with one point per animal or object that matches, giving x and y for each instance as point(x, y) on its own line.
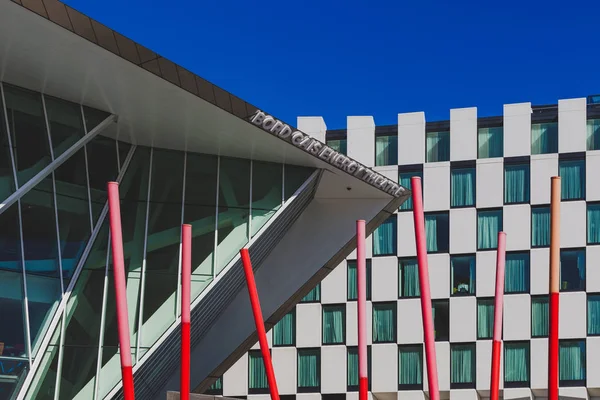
point(158, 192)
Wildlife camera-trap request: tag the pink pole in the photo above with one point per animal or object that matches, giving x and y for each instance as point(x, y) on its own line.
point(186, 287)
point(499, 301)
point(419, 220)
point(120, 288)
point(361, 263)
point(260, 324)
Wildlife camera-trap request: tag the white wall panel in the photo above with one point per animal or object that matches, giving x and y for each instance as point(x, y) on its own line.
point(517, 225)
point(490, 183)
point(333, 373)
point(517, 129)
point(572, 129)
point(360, 137)
point(463, 230)
point(543, 167)
point(314, 126)
point(411, 138)
point(436, 179)
point(463, 133)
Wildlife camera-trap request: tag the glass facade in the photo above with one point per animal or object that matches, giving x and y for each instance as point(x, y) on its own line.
point(386, 150)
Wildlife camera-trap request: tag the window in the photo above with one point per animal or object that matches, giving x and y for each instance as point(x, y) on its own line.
point(284, 332)
point(257, 377)
point(334, 324)
point(216, 388)
point(352, 286)
point(462, 366)
point(437, 232)
point(485, 318)
point(462, 280)
point(516, 183)
point(352, 372)
point(386, 150)
point(539, 316)
point(544, 138)
point(438, 146)
point(462, 187)
point(572, 270)
point(384, 322)
point(516, 364)
point(593, 134)
point(384, 238)
point(572, 179)
point(593, 223)
point(571, 358)
point(339, 145)
point(408, 278)
point(404, 180)
point(489, 223)
point(593, 314)
point(309, 370)
point(516, 275)
point(410, 367)
point(314, 296)
point(490, 142)
point(540, 226)
point(441, 319)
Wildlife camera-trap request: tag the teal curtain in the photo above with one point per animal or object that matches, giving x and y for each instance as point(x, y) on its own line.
point(539, 316)
point(386, 150)
point(410, 371)
point(384, 323)
point(572, 182)
point(490, 142)
point(257, 378)
point(352, 283)
point(333, 324)
point(463, 187)
point(431, 224)
point(572, 361)
point(313, 296)
point(437, 232)
point(309, 368)
point(516, 362)
point(409, 278)
point(544, 138)
point(384, 238)
point(516, 183)
point(540, 226)
point(438, 146)
point(593, 314)
point(593, 223)
point(352, 367)
point(405, 182)
point(217, 385)
point(485, 318)
point(489, 223)
point(339, 145)
point(462, 364)
point(516, 276)
point(593, 134)
point(284, 332)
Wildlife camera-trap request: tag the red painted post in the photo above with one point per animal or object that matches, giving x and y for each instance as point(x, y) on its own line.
point(419, 222)
point(554, 288)
point(260, 324)
point(186, 288)
point(361, 269)
point(498, 304)
point(116, 236)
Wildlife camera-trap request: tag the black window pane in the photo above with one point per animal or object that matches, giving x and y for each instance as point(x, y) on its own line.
point(441, 319)
point(572, 270)
point(93, 117)
point(7, 182)
point(64, 120)
point(102, 168)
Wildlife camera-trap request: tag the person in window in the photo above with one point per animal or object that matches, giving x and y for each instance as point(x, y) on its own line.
point(463, 287)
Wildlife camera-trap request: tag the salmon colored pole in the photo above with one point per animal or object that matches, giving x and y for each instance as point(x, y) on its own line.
point(186, 287)
point(260, 324)
point(499, 301)
point(554, 288)
point(419, 219)
point(116, 237)
point(361, 269)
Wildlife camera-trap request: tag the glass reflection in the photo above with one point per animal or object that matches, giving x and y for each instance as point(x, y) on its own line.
point(294, 178)
point(64, 120)
point(7, 182)
point(93, 117)
point(102, 168)
point(267, 196)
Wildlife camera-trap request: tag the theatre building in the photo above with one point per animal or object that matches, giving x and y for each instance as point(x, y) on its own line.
point(82, 105)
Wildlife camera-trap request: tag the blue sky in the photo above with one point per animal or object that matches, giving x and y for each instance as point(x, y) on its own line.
point(338, 58)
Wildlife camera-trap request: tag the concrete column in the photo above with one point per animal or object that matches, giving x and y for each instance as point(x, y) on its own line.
point(361, 139)
point(411, 138)
point(463, 134)
point(572, 125)
point(517, 129)
point(313, 126)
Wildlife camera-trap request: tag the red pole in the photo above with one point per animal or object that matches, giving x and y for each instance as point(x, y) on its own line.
point(260, 324)
point(120, 288)
point(361, 269)
point(186, 287)
point(554, 289)
point(499, 301)
point(419, 221)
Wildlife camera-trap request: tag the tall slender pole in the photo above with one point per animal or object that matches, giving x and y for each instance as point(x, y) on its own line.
point(419, 220)
point(361, 269)
point(554, 288)
point(116, 236)
point(186, 287)
point(498, 304)
point(260, 325)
